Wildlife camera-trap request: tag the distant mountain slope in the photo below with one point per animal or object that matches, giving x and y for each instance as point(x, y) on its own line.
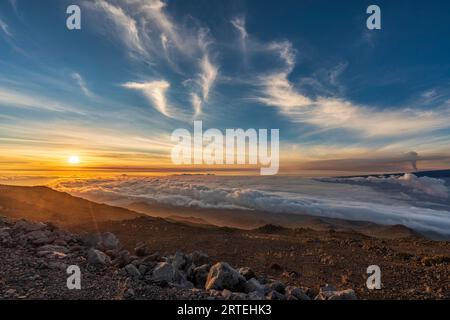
point(45, 204)
point(432, 174)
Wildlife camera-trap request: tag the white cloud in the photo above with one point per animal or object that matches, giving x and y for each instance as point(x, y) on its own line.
point(12, 98)
point(286, 52)
point(292, 195)
point(335, 113)
point(125, 26)
point(82, 84)
point(239, 24)
point(155, 92)
point(196, 103)
point(149, 32)
point(207, 77)
point(420, 185)
point(4, 27)
point(281, 93)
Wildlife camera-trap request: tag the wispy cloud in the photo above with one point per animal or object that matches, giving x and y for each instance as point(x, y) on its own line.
point(155, 92)
point(207, 77)
point(12, 98)
point(82, 84)
point(338, 113)
point(124, 26)
point(334, 113)
point(151, 34)
point(239, 24)
point(196, 104)
point(4, 27)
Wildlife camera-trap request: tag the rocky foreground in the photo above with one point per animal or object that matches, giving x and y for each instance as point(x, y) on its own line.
point(35, 258)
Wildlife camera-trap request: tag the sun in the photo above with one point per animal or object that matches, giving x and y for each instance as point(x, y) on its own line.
point(73, 160)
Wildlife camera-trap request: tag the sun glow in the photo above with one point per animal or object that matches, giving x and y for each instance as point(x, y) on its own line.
point(73, 160)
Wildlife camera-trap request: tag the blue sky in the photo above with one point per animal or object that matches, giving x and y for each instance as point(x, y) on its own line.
point(114, 91)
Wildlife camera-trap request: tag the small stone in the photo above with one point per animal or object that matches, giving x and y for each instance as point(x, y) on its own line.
point(255, 295)
point(239, 296)
point(151, 258)
point(326, 293)
point(10, 292)
point(253, 285)
point(296, 292)
point(122, 259)
point(129, 294)
point(274, 295)
point(277, 286)
point(55, 248)
point(226, 294)
point(142, 269)
point(199, 258)
point(90, 240)
point(132, 271)
point(97, 257)
point(60, 242)
point(142, 250)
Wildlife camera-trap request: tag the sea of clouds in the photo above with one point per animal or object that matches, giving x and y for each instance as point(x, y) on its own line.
point(419, 203)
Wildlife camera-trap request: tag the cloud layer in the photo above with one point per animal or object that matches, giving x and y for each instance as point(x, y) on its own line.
point(276, 195)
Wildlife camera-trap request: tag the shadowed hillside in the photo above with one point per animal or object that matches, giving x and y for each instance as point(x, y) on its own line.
point(45, 204)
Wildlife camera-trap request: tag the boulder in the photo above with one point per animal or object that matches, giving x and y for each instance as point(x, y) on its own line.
point(142, 269)
point(90, 240)
point(200, 274)
point(109, 241)
point(223, 276)
point(164, 272)
point(142, 250)
point(274, 295)
point(97, 257)
point(151, 258)
point(247, 273)
point(180, 261)
point(132, 271)
point(277, 286)
point(122, 259)
point(199, 258)
point(253, 285)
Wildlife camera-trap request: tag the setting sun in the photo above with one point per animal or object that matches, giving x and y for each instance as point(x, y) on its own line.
point(74, 160)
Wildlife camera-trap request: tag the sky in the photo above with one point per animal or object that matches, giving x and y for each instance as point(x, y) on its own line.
point(344, 97)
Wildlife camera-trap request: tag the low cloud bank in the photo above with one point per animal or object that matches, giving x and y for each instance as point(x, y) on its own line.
point(277, 195)
point(420, 185)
